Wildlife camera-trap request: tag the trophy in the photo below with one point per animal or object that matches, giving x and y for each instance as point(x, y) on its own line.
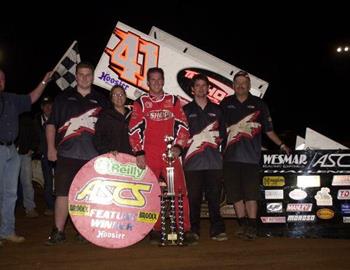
point(171, 235)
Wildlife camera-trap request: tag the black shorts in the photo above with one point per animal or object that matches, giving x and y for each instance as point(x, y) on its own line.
point(242, 181)
point(66, 169)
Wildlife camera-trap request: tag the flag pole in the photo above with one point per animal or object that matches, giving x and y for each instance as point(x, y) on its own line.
point(65, 54)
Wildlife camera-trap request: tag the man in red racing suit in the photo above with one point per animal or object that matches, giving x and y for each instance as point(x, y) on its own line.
point(154, 116)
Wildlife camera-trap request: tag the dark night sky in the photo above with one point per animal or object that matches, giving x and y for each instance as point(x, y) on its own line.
point(293, 49)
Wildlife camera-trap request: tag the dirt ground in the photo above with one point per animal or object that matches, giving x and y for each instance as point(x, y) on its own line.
point(263, 253)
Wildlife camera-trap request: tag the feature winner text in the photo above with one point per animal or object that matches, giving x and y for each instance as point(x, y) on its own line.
point(111, 220)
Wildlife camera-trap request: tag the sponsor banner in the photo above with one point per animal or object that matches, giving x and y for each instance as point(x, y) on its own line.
point(299, 207)
point(323, 198)
point(297, 194)
point(325, 213)
point(343, 194)
point(273, 219)
point(345, 208)
point(305, 181)
point(112, 202)
point(272, 194)
point(341, 180)
point(316, 192)
point(274, 181)
point(306, 162)
point(274, 207)
point(129, 53)
point(301, 218)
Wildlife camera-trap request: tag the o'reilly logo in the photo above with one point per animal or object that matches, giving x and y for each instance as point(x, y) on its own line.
point(104, 165)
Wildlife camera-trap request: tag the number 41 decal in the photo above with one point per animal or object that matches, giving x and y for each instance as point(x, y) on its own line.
point(132, 57)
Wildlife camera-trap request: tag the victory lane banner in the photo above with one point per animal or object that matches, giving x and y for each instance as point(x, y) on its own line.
point(112, 202)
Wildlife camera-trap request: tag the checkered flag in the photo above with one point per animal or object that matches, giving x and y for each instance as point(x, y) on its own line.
point(64, 74)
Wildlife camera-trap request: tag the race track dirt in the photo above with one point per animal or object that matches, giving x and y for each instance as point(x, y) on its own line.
point(264, 253)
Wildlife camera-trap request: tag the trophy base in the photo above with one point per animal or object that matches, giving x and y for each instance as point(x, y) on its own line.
point(172, 239)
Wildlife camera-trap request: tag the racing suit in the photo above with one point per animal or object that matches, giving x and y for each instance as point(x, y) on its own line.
point(152, 119)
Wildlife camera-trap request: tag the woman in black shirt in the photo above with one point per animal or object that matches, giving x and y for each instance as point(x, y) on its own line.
point(111, 129)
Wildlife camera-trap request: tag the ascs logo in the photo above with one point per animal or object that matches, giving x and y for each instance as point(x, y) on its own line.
point(219, 86)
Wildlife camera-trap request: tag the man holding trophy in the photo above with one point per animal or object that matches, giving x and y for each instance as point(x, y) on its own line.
point(155, 116)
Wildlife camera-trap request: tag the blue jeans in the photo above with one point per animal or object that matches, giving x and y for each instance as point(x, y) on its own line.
point(25, 176)
point(47, 168)
point(9, 170)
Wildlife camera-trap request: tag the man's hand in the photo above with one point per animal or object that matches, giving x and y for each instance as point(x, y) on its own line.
point(114, 153)
point(141, 162)
point(285, 149)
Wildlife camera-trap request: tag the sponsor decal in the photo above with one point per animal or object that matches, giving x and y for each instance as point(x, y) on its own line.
point(274, 207)
point(304, 181)
point(282, 159)
point(343, 194)
point(148, 104)
point(131, 57)
point(323, 198)
point(341, 180)
point(346, 219)
point(274, 181)
point(219, 86)
point(106, 192)
point(301, 218)
point(79, 209)
point(108, 78)
point(341, 160)
point(345, 208)
point(104, 165)
point(299, 207)
point(112, 203)
point(274, 194)
point(150, 217)
point(297, 194)
point(325, 213)
point(273, 219)
point(160, 115)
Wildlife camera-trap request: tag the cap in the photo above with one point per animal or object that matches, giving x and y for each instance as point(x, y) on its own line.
point(46, 100)
point(241, 73)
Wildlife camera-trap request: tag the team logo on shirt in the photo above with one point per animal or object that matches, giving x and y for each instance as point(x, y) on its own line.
point(82, 123)
point(247, 127)
point(208, 137)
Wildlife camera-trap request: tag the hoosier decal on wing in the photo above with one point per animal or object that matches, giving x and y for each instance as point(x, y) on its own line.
point(244, 128)
point(209, 136)
point(76, 125)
